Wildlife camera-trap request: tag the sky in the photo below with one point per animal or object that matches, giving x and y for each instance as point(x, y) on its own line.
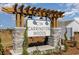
point(71, 11)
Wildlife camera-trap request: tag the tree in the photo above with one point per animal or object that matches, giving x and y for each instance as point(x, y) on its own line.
point(25, 42)
point(65, 35)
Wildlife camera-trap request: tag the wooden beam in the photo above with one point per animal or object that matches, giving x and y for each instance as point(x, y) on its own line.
point(39, 11)
point(21, 11)
point(8, 10)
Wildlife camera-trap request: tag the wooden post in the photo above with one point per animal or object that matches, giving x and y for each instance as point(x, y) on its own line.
point(22, 20)
point(51, 23)
point(54, 23)
point(17, 20)
point(57, 22)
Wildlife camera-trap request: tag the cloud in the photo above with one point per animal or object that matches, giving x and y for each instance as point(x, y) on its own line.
point(8, 5)
point(1, 7)
point(1, 25)
point(71, 9)
point(71, 13)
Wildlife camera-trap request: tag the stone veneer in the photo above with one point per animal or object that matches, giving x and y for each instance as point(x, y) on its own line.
point(18, 37)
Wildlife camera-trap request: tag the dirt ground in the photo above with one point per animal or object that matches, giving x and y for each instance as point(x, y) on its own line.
point(71, 51)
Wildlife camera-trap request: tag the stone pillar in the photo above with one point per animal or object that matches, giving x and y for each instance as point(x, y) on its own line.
point(55, 38)
point(18, 38)
point(17, 20)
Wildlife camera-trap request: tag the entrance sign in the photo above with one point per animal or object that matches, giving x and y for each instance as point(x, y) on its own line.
point(38, 28)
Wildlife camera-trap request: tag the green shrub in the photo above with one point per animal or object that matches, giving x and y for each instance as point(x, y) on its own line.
point(25, 42)
point(36, 52)
point(66, 47)
point(65, 36)
point(46, 52)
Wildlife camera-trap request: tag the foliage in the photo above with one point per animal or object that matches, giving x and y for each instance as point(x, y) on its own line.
point(46, 52)
point(49, 52)
point(37, 52)
point(74, 43)
point(65, 36)
point(66, 47)
point(1, 48)
point(25, 42)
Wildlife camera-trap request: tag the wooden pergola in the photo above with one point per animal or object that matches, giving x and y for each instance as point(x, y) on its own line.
point(22, 12)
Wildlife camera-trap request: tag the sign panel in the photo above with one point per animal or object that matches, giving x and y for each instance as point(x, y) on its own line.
point(38, 28)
